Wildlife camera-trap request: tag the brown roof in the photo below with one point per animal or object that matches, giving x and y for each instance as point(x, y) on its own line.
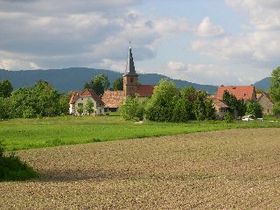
point(74, 97)
point(86, 93)
point(240, 92)
point(218, 103)
point(113, 99)
point(263, 94)
point(145, 90)
point(259, 95)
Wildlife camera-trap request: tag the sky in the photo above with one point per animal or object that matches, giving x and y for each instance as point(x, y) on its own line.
point(230, 42)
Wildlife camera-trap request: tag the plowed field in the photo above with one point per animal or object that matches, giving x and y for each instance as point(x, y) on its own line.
point(212, 170)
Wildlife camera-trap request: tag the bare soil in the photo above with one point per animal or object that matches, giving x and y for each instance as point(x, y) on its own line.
point(215, 170)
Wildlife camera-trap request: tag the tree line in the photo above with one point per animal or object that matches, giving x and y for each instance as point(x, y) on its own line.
point(169, 104)
point(40, 100)
point(275, 91)
point(43, 100)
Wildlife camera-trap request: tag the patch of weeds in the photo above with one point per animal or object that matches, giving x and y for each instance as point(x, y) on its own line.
point(13, 169)
point(96, 140)
point(54, 142)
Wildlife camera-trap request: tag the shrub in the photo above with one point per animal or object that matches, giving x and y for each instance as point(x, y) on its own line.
point(180, 111)
point(254, 108)
point(132, 109)
point(276, 110)
point(161, 105)
point(228, 118)
point(12, 168)
point(89, 107)
point(4, 108)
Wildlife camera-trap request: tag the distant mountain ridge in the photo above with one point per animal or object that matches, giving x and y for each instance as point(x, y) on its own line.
point(264, 84)
point(68, 79)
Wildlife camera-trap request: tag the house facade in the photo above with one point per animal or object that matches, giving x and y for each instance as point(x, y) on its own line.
point(81, 102)
point(266, 103)
point(220, 107)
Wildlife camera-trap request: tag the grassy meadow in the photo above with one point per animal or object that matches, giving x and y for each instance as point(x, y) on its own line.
point(17, 134)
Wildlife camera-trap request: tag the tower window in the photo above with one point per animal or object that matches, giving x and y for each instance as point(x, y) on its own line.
point(131, 80)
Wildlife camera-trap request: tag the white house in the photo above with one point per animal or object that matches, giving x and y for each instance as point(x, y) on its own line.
point(80, 101)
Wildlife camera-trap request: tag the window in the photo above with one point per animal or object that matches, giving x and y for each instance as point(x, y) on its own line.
point(131, 80)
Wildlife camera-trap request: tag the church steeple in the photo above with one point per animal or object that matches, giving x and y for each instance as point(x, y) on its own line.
point(130, 69)
point(130, 78)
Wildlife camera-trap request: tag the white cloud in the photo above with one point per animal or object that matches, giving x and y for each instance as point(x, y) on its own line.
point(214, 74)
point(257, 47)
point(176, 66)
point(13, 64)
point(207, 28)
point(263, 14)
point(78, 38)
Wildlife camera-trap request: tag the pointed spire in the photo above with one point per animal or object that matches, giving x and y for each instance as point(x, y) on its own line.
point(130, 63)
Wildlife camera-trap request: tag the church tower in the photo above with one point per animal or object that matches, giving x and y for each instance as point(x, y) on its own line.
point(130, 78)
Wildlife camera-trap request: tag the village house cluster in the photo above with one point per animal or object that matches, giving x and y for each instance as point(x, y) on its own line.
point(112, 100)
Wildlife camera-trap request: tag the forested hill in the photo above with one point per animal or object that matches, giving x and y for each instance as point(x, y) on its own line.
point(69, 79)
point(264, 84)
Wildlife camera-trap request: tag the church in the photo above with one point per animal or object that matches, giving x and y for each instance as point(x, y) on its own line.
point(112, 100)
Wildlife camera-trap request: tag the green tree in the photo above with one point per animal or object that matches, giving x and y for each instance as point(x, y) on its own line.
point(20, 100)
point(80, 109)
point(276, 109)
point(89, 107)
point(236, 107)
point(118, 84)
point(180, 112)
point(275, 85)
point(64, 104)
point(190, 95)
point(160, 106)
point(4, 108)
point(6, 88)
point(99, 84)
point(132, 109)
point(203, 107)
point(39, 100)
point(47, 99)
point(254, 108)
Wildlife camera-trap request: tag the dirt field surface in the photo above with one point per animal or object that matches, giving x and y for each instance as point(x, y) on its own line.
point(216, 170)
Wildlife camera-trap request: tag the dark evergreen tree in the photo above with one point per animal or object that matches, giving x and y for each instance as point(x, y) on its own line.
point(99, 84)
point(118, 84)
point(6, 88)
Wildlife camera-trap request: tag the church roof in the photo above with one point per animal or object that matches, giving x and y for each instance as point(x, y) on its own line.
point(145, 90)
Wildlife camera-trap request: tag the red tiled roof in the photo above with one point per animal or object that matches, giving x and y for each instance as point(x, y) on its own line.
point(145, 90)
point(113, 99)
point(85, 93)
point(240, 92)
